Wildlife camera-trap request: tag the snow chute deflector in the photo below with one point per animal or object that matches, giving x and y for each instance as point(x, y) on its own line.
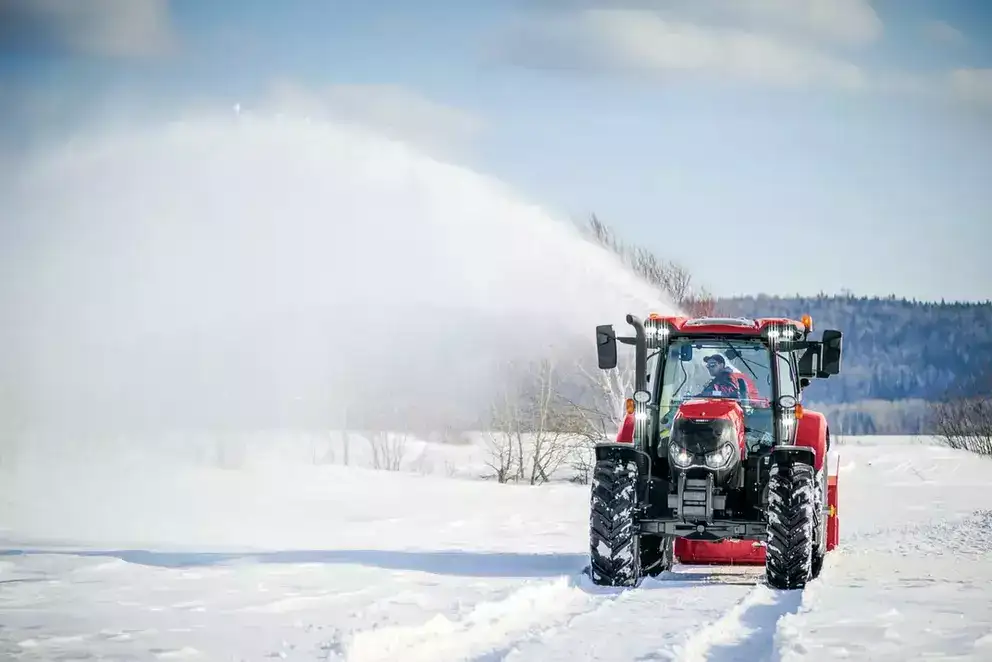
point(716, 460)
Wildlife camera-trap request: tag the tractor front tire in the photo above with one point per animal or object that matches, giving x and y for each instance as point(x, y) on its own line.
point(792, 520)
point(614, 546)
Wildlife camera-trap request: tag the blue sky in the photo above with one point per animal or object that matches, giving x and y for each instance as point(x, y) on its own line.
point(825, 144)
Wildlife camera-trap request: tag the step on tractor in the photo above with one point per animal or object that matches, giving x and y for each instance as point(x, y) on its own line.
point(716, 461)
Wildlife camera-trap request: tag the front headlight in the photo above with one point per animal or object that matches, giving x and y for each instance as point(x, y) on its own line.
point(680, 456)
point(787, 429)
point(720, 457)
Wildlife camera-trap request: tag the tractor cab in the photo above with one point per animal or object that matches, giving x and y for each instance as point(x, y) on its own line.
point(761, 365)
point(733, 371)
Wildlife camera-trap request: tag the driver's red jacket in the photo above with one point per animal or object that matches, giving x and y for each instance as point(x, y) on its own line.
point(728, 383)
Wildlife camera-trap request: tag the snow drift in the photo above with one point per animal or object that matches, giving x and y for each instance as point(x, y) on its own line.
point(288, 561)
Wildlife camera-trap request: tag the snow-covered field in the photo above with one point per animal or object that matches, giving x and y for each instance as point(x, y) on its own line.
point(130, 556)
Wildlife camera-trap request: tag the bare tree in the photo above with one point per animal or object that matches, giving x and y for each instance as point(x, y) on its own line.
point(599, 413)
point(553, 425)
point(504, 438)
point(673, 280)
point(599, 233)
point(532, 429)
point(388, 450)
point(700, 304)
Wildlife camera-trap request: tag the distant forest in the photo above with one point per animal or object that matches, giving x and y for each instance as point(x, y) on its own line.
point(900, 356)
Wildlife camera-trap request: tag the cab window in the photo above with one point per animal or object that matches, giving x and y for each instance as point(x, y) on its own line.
point(787, 382)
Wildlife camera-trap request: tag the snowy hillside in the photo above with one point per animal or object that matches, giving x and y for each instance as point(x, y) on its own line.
point(284, 558)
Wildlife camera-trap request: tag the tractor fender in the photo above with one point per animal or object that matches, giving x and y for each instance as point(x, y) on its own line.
point(618, 451)
point(785, 455)
point(812, 434)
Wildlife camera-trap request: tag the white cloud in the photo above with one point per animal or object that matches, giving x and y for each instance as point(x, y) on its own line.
point(964, 87)
point(767, 42)
point(646, 41)
point(850, 21)
point(972, 86)
point(840, 21)
point(112, 28)
point(943, 32)
point(392, 110)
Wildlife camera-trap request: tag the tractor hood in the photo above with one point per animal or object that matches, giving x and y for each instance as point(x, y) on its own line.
point(704, 425)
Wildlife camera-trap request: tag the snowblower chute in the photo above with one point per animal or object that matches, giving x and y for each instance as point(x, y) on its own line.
point(717, 461)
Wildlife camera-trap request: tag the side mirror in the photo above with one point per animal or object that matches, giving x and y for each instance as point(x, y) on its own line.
point(809, 361)
point(804, 382)
point(833, 342)
point(606, 346)
point(685, 353)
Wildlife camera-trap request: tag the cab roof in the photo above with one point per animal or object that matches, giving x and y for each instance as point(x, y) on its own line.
point(739, 326)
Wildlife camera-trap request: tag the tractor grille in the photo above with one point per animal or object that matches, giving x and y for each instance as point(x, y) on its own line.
point(701, 437)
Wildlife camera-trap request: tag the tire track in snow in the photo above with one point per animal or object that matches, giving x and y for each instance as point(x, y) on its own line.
point(645, 623)
point(746, 632)
point(489, 629)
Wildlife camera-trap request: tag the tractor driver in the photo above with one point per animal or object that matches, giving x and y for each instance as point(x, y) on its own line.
point(722, 384)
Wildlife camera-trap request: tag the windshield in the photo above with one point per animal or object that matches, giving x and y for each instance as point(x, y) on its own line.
point(715, 368)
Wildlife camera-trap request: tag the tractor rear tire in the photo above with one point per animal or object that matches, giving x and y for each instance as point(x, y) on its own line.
point(792, 520)
point(820, 525)
point(614, 545)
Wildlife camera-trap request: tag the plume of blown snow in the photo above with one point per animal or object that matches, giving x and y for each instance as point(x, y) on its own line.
point(238, 271)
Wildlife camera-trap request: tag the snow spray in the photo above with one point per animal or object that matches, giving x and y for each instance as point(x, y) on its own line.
point(243, 271)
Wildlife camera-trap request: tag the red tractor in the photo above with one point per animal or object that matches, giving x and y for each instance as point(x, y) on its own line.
point(716, 461)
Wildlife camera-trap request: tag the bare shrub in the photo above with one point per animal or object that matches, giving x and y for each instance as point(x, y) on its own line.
point(965, 424)
point(581, 459)
point(963, 418)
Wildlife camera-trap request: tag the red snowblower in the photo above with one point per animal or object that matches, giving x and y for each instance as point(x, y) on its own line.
point(716, 461)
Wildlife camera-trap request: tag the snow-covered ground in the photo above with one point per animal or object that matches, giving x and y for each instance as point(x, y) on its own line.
point(124, 556)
